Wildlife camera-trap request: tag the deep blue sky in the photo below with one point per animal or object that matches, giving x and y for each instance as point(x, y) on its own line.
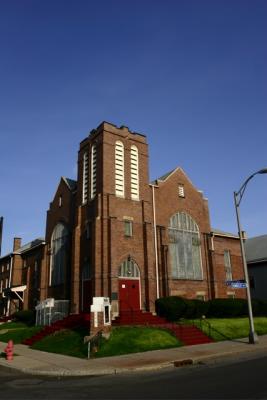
point(191, 75)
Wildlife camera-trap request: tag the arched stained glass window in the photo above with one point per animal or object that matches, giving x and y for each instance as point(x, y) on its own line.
point(129, 269)
point(184, 247)
point(58, 254)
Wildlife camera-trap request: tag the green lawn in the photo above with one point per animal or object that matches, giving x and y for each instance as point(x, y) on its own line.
point(68, 342)
point(126, 340)
point(232, 328)
point(16, 331)
point(122, 340)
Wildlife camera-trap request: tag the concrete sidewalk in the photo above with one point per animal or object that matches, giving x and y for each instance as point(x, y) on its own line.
point(42, 363)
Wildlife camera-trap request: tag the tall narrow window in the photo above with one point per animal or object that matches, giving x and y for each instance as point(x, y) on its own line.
point(85, 177)
point(119, 169)
point(93, 171)
point(227, 264)
point(134, 173)
point(184, 247)
point(58, 254)
point(128, 228)
point(35, 277)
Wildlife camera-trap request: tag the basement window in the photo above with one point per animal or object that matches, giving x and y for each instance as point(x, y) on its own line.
point(200, 297)
point(231, 295)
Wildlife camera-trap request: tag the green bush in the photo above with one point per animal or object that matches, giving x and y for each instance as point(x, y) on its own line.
point(26, 316)
point(201, 308)
point(172, 308)
point(225, 308)
point(259, 307)
point(190, 309)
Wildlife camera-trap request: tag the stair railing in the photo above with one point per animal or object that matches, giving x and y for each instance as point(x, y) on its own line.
point(93, 341)
point(201, 322)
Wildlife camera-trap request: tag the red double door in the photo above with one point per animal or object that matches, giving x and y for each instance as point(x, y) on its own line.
point(129, 294)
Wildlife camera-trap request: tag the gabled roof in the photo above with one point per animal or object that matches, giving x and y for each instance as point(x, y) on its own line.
point(168, 174)
point(72, 185)
point(164, 177)
point(256, 249)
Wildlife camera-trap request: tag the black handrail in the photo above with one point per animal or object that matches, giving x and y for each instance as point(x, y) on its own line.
point(210, 328)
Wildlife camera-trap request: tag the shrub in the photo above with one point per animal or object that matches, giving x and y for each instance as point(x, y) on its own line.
point(259, 307)
point(201, 308)
point(172, 308)
point(26, 316)
point(224, 308)
point(190, 309)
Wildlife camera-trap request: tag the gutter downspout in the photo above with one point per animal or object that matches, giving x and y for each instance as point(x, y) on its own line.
point(155, 238)
point(9, 284)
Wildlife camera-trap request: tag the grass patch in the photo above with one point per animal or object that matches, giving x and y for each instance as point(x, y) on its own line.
point(12, 325)
point(232, 328)
point(17, 331)
point(122, 340)
point(68, 342)
point(125, 340)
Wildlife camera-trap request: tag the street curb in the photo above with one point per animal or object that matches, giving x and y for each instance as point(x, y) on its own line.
point(52, 371)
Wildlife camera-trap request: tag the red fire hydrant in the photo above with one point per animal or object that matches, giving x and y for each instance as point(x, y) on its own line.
point(9, 350)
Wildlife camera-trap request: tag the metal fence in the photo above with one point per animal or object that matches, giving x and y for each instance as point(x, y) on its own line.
point(50, 310)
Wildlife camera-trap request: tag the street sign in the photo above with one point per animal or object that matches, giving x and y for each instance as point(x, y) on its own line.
point(237, 284)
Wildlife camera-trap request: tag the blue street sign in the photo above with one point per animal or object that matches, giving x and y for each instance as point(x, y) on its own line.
point(238, 284)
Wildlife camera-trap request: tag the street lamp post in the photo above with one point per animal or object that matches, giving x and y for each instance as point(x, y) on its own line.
point(253, 338)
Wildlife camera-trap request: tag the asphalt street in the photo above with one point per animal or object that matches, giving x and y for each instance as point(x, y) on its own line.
point(244, 378)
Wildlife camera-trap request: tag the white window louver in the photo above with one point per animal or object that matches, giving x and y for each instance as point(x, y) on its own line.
point(134, 173)
point(181, 191)
point(93, 171)
point(85, 177)
point(119, 169)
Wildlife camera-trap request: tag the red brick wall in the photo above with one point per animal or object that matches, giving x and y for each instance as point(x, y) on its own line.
point(168, 203)
point(32, 294)
point(59, 213)
point(108, 246)
point(222, 243)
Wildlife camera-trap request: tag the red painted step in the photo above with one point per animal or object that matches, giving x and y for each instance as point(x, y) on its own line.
point(71, 321)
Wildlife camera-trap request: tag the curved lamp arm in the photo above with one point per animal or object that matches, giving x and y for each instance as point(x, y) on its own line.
point(243, 187)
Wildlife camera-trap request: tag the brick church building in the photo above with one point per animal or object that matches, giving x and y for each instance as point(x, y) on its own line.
point(113, 233)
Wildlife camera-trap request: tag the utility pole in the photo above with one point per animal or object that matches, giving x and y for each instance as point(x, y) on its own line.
point(1, 233)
